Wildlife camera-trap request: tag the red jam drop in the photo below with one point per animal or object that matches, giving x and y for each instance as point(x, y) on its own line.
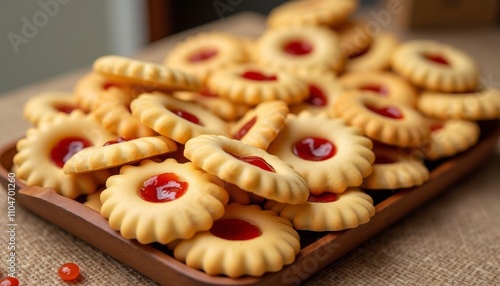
point(65, 109)
point(314, 149)
point(380, 159)
point(208, 93)
point(380, 89)
point(9, 281)
point(258, 76)
point(186, 115)
point(386, 111)
point(107, 85)
point(316, 96)
point(359, 54)
point(68, 271)
point(322, 198)
point(298, 48)
point(256, 161)
point(438, 59)
point(161, 188)
point(235, 229)
point(118, 140)
point(243, 130)
point(436, 127)
point(202, 55)
point(67, 147)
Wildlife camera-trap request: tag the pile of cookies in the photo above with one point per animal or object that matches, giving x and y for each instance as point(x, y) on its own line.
point(232, 144)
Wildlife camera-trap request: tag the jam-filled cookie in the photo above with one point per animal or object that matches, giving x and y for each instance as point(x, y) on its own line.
point(382, 119)
point(252, 84)
point(44, 151)
point(43, 107)
point(354, 37)
point(300, 48)
point(174, 118)
point(118, 152)
point(328, 211)
point(259, 126)
point(376, 56)
point(93, 201)
point(325, 152)
point(435, 66)
point(250, 168)
point(202, 53)
point(162, 202)
point(245, 241)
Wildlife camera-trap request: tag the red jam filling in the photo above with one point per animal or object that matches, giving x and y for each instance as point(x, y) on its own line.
point(298, 48)
point(68, 271)
point(65, 108)
point(256, 161)
point(208, 93)
point(314, 149)
point(118, 140)
point(161, 188)
point(322, 198)
point(359, 54)
point(436, 127)
point(202, 55)
point(107, 85)
point(380, 89)
point(386, 111)
point(258, 76)
point(437, 58)
point(186, 115)
point(243, 130)
point(380, 159)
point(67, 147)
point(235, 229)
point(316, 96)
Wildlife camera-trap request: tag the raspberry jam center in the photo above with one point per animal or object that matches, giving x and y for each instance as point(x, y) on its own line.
point(436, 127)
point(186, 115)
point(118, 140)
point(258, 76)
point(387, 111)
point(314, 149)
point(202, 55)
point(161, 188)
point(244, 130)
point(322, 198)
point(298, 48)
point(359, 53)
point(437, 58)
point(380, 89)
point(107, 85)
point(380, 159)
point(316, 96)
point(256, 161)
point(65, 108)
point(67, 147)
point(235, 229)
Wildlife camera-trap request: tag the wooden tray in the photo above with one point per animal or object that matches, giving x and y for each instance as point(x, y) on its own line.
point(318, 249)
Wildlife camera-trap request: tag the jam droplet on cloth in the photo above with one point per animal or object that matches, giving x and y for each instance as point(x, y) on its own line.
point(244, 130)
point(387, 111)
point(9, 281)
point(314, 149)
point(235, 229)
point(322, 198)
point(67, 147)
point(68, 271)
point(164, 187)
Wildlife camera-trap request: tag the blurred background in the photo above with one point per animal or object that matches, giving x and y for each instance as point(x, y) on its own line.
point(43, 38)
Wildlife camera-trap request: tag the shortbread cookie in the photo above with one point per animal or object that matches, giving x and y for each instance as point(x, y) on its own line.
point(44, 106)
point(354, 37)
point(240, 196)
point(252, 84)
point(434, 66)
point(328, 211)
point(376, 57)
point(384, 84)
point(329, 155)
point(261, 125)
point(474, 106)
point(297, 48)
point(382, 120)
point(395, 169)
point(93, 201)
point(250, 168)
point(117, 153)
point(245, 241)
point(174, 118)
point(450, 137)
point(311, 13)
point(150, 76)
point(43, 152)
point(162, 202)
point(202, 53)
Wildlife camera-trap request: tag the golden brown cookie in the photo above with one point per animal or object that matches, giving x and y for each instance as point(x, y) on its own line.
point(354, 37)
point(376, 57)
point(44, 106)
point(93, 201)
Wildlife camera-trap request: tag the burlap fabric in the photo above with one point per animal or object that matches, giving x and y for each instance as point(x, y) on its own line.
point(453, 240)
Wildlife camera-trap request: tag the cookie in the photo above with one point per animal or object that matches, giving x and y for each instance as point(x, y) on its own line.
point(354, 37)
point(261, 125)
point(245, 241)
point(150, 76)
point(250, 168)
point(328, 211)
point(162, 202)
point(329, 155)
point(174, 118)
point(382, 119)
point(118, 152)
point(252, 84)
point(435, 66)
point(93, 201)
point(42, 154)
point(44, 106)
point(473, 106)
point(204, 52)
point(384, 84)
point(299, 48)
point(376, 57)
point(311, 13)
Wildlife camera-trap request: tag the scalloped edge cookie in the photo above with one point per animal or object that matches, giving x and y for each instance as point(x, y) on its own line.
point(377, 56)
point(354, 37)
point(44, 106)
